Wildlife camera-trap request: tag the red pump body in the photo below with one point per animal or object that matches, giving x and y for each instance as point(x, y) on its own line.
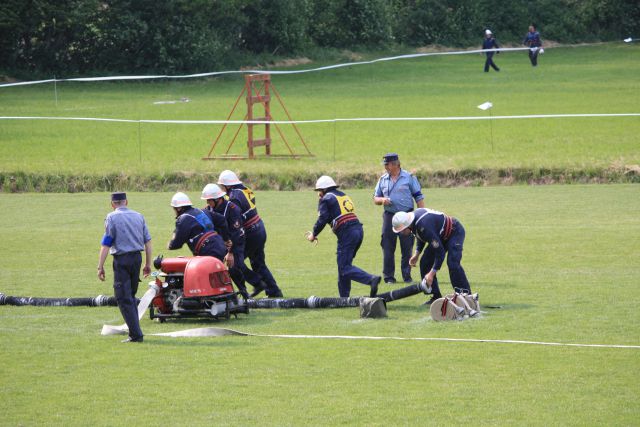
point(194, 286)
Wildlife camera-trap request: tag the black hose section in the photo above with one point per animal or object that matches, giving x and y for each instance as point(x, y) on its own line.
point(337, 302)
point(100, 300)
point(402, 292)
point(277, 303)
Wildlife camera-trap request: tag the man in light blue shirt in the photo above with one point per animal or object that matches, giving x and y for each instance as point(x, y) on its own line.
point(396, 191)
point(125, 236)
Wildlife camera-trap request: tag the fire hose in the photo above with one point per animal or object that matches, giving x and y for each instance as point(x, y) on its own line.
point(99, 301)
point(310, 302)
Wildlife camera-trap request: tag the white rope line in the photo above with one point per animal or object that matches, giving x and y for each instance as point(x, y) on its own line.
point(218, 332)
point(353, 119)
point(309, 70)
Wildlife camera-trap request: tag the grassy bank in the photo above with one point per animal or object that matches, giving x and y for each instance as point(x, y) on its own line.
point(586, 79)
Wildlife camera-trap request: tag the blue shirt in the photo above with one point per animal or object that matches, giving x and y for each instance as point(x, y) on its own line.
point(428, 227)
point(125, 231)
point(402, 192)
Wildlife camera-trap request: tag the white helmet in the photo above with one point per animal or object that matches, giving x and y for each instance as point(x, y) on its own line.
point(401, 220)
point(325, 182)
point(487, 32)
point(228, 178)
point(212, 191)
point(180, 199)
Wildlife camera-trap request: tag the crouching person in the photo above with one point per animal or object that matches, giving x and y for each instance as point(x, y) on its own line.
point(336, 208)
point(204, 232)
point(444, 235)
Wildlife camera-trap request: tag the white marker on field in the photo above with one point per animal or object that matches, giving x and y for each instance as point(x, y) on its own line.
point(484, 107)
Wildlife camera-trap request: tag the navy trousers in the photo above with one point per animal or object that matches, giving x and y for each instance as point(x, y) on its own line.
point(255, 240)
point(489, 63)
point(349, 240)
point(453, 248)
point(237, 272)
point(126, 275)
point(533, 56)
point(388, 243)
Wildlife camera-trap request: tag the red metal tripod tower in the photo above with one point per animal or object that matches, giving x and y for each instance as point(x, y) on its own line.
point(258, 89)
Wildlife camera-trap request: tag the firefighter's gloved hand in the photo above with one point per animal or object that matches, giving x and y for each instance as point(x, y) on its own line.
point(229, 260)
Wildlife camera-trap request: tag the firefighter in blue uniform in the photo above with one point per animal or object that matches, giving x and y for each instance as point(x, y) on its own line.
point(216, 203)
point(125, 236)
point(442, 235)
point(259, 276)
point(532, 40)
point(336, 208)
point(205, 233)
point(396, 191)
point(488, 43)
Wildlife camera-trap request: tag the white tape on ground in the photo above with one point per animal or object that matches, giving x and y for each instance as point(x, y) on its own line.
point(310, 70)
point(218, 332)
point(354, 119)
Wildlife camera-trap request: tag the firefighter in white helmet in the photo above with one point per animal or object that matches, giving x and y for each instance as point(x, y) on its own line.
point(337, 209)
point(441, 235)
point(204, 233)
point(259, 276)
point(219, 205)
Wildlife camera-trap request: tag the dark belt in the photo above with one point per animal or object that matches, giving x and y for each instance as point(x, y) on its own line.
point(449, 227)
point(203, 241)
point(127, 253)
point(344, 219)
point(251, 222)
point(393, 213)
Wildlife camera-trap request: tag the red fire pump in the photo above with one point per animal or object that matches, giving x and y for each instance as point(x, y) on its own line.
point(194, 287)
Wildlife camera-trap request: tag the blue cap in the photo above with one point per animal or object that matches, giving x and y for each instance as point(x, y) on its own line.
point(116, 197)
point(389, 157)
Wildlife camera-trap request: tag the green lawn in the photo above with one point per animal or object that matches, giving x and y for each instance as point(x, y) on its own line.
point(562, 261)
point(587, 79)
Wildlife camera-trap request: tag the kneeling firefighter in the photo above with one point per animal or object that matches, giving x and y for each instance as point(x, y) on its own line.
point(444, 235)
point(337, 209)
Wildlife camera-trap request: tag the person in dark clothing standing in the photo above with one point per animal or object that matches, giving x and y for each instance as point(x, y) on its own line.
point(442, 235)
point(490, 43)
point(125, 236)
point(336, 208)
point(259, 274)
point(532, 40)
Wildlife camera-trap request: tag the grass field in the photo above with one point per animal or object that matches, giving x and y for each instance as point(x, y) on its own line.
point(562, 261)
point(585, 79)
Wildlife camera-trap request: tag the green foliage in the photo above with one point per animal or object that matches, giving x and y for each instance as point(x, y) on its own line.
point(43, 37)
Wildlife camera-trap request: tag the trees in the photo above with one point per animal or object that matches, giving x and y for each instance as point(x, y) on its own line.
point(41, 38)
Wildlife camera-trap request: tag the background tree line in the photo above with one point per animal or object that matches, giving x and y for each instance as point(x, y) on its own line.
point(88, 37)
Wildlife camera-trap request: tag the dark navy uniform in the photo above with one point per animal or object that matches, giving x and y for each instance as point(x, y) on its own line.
point(490, 43)
point(532, 40)
point(204, 232)
point(336, 208)
point(441, 234)
point(233, 217)
point(255, 239)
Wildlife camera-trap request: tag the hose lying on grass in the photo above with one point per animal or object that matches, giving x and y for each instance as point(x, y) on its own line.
point(311, 302)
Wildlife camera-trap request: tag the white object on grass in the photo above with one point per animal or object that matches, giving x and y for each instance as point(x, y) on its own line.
point(485, 106)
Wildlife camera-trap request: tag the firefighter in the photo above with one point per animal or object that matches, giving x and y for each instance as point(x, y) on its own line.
point(441, 234)
point(205, 233)
point(255, 235)
point(216, 203)
point(336, 208)
point(125, 236)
